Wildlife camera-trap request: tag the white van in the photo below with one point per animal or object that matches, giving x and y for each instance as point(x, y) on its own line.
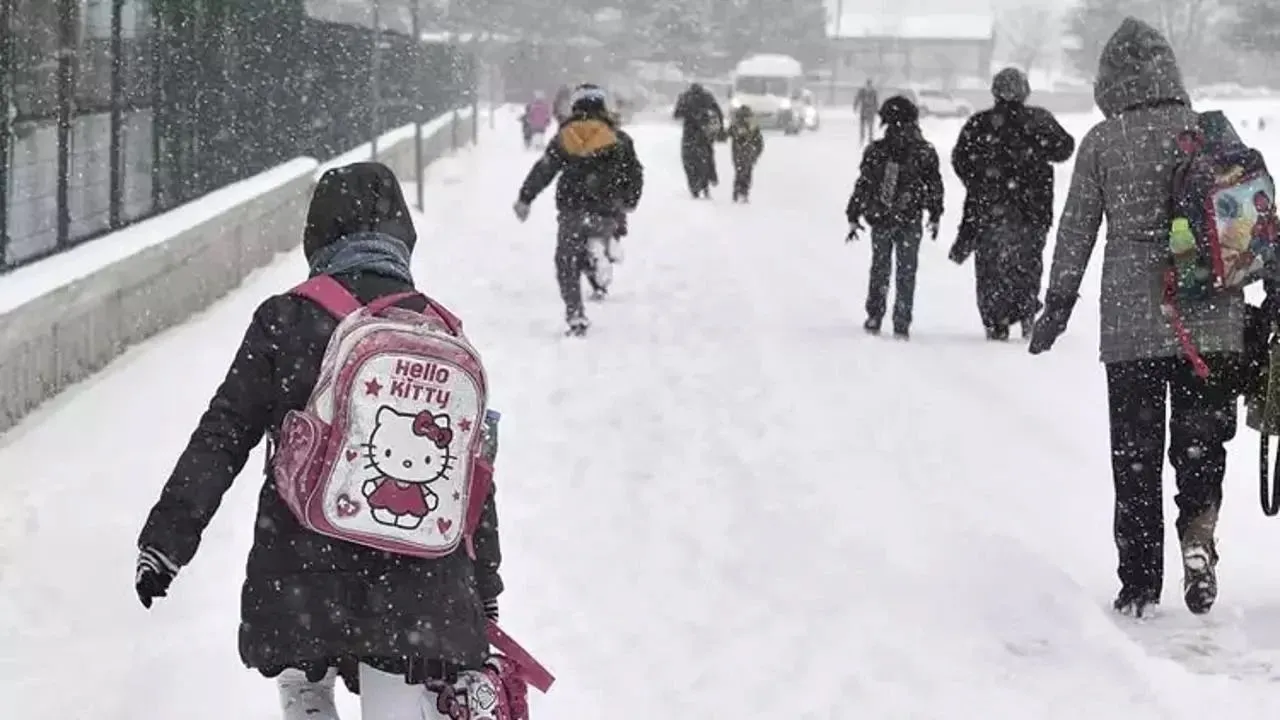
point(770, 86)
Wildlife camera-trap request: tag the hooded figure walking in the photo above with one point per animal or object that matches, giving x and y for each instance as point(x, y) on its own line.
point(310, 604)
point(899, 181)
point(1004, 157)
point(703, 124)
point(866, 103)
point(1123, 172)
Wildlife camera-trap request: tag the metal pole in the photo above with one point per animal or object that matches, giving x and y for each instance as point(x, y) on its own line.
point(492, 78)
point(419, 60)
point(836, 47)
point(66, 87)
point(475, 92)
point(374, 90)
point(116, 143)
point(7, 107)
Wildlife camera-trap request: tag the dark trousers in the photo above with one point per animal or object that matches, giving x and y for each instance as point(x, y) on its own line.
point(573, 259)
point(742, 175)
point(1202, 419)
point(887, 244)
point(1009, 269)
point(699, 158)
point(867, 129)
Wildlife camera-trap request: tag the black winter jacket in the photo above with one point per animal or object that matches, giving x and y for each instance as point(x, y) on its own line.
point(697, 109)
point(309, 601)
point(904, 145)
point(746, 142)
point(598, 168)
point(1004, 157)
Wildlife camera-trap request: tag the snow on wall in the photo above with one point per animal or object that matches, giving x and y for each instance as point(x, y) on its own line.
point(63, 318)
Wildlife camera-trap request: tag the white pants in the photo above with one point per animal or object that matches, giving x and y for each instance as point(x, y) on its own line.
point(383, 696)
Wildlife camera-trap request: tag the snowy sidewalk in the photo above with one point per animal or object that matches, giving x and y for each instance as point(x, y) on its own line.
point(726, 502)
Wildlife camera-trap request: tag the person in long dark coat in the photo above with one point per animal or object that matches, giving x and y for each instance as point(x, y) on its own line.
point(1004, 156)
point(311, 603)
point(703, 122)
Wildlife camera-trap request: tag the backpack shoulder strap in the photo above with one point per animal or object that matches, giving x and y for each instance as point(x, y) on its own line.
point(329, 294)
point(450, 320)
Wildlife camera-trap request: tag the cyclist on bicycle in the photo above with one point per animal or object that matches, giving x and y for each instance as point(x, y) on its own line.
point(601, 179)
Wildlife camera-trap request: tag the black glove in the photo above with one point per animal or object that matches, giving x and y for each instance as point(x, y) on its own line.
point(620, 230)
point(491, 609)
point(155, 572)
point(1051, 324)
point(932, 227)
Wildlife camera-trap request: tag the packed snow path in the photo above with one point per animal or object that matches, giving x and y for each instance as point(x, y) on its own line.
point(726, 502)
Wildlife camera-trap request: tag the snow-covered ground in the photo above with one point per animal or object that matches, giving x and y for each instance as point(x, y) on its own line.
point(727, 502)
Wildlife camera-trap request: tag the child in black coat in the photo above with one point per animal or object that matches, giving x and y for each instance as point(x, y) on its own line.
point(898, 183)
point(746, 143)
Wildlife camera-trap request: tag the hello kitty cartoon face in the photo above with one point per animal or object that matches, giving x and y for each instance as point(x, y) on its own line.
point(410, 448)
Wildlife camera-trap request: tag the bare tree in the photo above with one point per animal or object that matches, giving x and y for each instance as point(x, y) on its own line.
point(1030, 29)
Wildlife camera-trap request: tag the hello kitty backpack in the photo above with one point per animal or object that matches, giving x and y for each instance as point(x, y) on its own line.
point(387, 451)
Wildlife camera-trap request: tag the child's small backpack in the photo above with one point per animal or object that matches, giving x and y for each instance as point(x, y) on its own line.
point(891, 191)
point(1223, 230)
point(387, 452)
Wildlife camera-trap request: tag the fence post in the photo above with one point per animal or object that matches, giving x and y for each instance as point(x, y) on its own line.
point(115, 205)
point(453, 129)
point(7, 111)
point(66, 88)
point(374, 91)
point(419, 175)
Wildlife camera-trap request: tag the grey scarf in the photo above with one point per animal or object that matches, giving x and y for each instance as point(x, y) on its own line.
point(370, 252)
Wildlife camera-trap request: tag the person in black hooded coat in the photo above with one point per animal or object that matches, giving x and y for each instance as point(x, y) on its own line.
point(703, 121)
point(1004, 157)
point(309, 602)
point(898, 183)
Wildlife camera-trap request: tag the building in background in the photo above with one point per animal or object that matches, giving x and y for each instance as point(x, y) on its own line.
point(946, 51)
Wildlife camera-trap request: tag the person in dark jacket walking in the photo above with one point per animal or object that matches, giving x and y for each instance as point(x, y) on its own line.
point(703, 122)
point(746, 144)
point(1004, 158)
point(866, 103)
point(899, 181)
point(310, 603)
point(1123, 173)
point(601, 180)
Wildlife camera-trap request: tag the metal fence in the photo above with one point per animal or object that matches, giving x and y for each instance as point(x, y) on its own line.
point(121, 109)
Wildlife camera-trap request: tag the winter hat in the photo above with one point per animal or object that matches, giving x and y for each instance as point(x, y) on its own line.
point(898, 110)
point(589, 99)
point(1011, 85)
point(361, 197)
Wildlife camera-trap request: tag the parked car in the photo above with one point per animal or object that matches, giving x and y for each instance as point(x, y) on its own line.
point(937, 103)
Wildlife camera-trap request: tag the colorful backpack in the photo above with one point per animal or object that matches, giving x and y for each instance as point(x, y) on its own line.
point(387, 452)
point(1223, 230)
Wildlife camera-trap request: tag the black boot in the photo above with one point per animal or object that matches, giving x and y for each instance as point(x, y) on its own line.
point(1136, 602)
point(998, 333)
point(872, 325)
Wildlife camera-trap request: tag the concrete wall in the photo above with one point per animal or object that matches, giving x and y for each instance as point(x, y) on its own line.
point(66, 317)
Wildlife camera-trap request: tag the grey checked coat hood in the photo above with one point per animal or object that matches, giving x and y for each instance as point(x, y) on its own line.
point(1123, 173)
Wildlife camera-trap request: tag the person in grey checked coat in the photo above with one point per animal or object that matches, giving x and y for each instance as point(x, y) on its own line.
point(1123, 172)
